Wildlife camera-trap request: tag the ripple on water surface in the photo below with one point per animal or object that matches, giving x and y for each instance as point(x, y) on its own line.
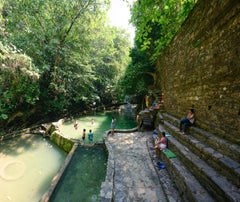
point(27, 166)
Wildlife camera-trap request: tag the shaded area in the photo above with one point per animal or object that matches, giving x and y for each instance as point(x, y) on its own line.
point(82, 178)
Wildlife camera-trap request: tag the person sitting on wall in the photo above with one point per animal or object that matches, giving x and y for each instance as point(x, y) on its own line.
point(161, 144)
point(187, 121)
point(159, 105)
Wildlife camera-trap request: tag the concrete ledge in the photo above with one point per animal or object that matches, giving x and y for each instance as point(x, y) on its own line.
point(16, 133)
point(47, 196)
point(106, 193)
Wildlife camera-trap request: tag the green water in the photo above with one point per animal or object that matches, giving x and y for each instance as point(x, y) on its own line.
point(27, 166)
point(99, 124)
point(87, 170)
point(82, 178)
point(29, 163)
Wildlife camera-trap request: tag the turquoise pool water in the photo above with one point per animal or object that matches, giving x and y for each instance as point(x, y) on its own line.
point(86, 171)
point(82, 179)
point(28, 163)
point(99, 124)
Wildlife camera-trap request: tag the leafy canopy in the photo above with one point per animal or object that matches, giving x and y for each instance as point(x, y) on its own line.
point(77, 55)
point(156, 23)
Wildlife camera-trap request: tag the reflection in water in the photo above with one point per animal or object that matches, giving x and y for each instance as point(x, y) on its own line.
point(27, 166)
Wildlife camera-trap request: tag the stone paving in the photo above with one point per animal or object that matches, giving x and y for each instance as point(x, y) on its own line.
point(134, 174)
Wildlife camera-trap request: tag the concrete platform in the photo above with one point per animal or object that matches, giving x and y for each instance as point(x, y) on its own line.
point(132, 174)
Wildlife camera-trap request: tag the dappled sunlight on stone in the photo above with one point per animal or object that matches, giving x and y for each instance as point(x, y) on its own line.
point(134, 174)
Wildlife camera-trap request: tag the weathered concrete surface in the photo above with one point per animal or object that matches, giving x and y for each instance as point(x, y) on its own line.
point(134, 177)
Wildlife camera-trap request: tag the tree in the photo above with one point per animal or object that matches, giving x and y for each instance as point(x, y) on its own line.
point(156, 23)
point(18, 81)
point(77, 54)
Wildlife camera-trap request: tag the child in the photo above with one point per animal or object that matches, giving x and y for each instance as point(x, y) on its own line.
point(84, 134)
point(75, 124)
point(113, 125)
point(90, 136)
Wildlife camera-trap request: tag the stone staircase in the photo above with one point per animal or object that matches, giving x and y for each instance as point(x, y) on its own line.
point(146, 119)
point(207, 168)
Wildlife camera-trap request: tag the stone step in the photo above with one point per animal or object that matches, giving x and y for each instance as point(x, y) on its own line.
point(146, 119)
point(217, 143)
point(215, 183)
point(224, 164)
point(171, 192)
point(188, 186)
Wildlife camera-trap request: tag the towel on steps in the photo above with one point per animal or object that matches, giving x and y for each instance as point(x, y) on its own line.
point(169, 153)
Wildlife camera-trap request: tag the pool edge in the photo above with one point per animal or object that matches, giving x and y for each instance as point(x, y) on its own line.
point(47, 195)
point(106, 192)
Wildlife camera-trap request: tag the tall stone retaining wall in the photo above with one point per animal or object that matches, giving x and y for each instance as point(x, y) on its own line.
point(201, 68)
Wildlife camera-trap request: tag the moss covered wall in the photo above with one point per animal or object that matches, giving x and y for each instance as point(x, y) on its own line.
point(61, 141)
point(201, 68)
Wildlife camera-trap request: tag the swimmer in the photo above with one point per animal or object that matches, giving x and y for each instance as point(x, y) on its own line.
point(75, 124)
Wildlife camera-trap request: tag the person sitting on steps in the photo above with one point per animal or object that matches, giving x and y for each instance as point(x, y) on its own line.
point(187, 121)
point(161, 144)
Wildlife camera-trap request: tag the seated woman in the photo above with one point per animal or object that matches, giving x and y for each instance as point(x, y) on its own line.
point(161, 144)
point(187, 121)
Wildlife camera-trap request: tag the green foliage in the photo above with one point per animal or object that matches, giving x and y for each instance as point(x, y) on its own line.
point(1, 20)
point(138, 74)
point(18, 81)
point(109, 59)
point(79, 56)
point(157, 22)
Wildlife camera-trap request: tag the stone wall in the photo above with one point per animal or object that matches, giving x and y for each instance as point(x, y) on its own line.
point(61, 141)
point(201, 68)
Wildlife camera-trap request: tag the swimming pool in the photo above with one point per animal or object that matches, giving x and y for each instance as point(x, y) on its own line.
point(82, 178)
point(98, 123)
point(27, 165)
